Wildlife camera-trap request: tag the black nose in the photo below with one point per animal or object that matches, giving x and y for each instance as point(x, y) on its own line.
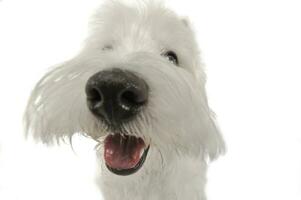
point(116, 95)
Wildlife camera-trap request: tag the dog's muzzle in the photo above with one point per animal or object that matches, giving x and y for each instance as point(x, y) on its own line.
point(116, 96)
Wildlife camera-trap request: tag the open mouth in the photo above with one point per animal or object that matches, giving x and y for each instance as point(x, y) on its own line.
point(124, 154)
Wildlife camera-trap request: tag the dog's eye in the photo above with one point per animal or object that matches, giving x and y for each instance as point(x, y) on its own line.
point(107, 47)
point(172, 57)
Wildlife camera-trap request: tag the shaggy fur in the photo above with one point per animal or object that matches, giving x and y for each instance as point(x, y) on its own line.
point(177, 122)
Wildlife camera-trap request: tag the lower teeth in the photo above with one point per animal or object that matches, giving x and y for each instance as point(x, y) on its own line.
point(141, 152)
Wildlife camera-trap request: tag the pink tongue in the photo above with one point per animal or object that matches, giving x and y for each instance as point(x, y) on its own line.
point(122, 152)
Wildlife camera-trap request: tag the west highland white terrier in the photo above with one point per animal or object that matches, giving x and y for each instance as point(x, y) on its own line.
point(138, 89)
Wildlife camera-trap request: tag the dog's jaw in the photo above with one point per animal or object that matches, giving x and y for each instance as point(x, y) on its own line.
point(182, 178)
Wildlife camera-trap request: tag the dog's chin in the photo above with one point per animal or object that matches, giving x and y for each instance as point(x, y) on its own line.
point(124, 154)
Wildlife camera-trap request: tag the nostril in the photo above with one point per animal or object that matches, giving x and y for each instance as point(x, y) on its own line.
point(128, 97)
point(132, 98)
point(94, 95)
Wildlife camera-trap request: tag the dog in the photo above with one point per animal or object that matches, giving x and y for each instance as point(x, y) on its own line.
point(138, 88)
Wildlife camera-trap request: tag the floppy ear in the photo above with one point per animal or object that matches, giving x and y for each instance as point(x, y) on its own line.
point(42, 114)
point(212, 140)
point(214, 143)
point(55, 108)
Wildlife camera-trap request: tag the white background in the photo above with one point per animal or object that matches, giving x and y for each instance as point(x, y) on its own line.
point(252, 50)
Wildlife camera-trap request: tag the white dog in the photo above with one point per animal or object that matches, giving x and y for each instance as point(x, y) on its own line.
point(138, 88)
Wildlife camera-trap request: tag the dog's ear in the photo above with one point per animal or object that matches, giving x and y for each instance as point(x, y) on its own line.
point(54, 111)
point(41, 117)
point(214, 143)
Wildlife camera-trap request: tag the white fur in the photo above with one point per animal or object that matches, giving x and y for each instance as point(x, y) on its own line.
point(177, 122)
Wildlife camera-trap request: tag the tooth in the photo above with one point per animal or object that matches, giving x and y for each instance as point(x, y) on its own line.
point(141, 152)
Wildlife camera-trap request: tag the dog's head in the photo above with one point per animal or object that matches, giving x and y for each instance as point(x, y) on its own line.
point(137, 87)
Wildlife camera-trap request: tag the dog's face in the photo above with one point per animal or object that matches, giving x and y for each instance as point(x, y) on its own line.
point(137, 87)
